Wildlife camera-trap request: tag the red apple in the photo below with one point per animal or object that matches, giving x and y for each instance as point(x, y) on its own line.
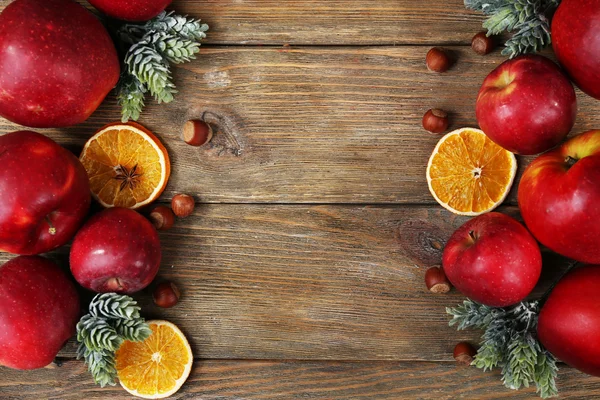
point(44, 193)
point(526, 105)
point(57, 63)
point(39, 308)
point(569, 321)
point(576, 42)
point(131, 10)
point(117, 250)
point(493, 260)
point(559, 198)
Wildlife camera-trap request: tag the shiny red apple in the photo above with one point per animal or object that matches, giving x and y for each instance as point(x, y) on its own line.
point(44, 193)
point(39, 308)
point(493, 260)
point(569, 321)
point(526, 105)
point(576, 42)
point(559, 198)
point(131, 10)
point(57, 63)
point(117, 250)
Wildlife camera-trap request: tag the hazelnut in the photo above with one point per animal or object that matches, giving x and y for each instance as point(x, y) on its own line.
point(435, 121)
point(438, 60)
point(482, 44)
point(197, 132)
point(162, 218)
point(166, 295)
point(464, 353)
point(436, 281)
point(183, 205)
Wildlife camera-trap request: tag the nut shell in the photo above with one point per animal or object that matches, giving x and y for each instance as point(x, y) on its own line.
point(183, 205)
point(438, 60)
point(436, 281)
point(162, 218)
point(166, 295)
point(435, 121)
point(482, 44)
point(464, 353)
point(197, 132)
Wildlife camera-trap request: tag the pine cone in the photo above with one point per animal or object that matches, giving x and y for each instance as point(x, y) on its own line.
point(132, 330)
point(185, 28)
point(113, 305)
point(96, 334)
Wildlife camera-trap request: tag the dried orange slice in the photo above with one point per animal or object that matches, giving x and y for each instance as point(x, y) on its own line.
point(157, 367)
point(127, 165)
point(469, 174)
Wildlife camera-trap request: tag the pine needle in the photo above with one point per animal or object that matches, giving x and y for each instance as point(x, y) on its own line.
point(509, 343)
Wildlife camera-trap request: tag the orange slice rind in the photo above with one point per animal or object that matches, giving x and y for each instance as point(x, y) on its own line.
point(126, 164)
point(468, 174)
point(157, 367)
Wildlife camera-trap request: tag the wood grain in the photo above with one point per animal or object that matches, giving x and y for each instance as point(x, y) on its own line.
point(236, 380)
point(338, 22)
point(310, 125)
point(320, 282)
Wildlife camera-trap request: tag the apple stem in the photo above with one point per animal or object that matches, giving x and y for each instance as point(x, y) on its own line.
point(570, 161)
point(472, 236)
point(114, 285)
point(544, 297)
point(52, 229)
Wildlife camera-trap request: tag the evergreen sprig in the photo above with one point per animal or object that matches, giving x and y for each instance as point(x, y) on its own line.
point(167, 39)
point(111, 320)
point(509, 343)
point(131, 94)
point(528, 19)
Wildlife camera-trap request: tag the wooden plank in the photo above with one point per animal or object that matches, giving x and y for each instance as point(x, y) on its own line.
point(310, 125)
point(234, 380)
point(340, 22)
point(320, 282)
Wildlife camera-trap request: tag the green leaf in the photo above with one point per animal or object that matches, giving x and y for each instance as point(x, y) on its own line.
point(529, 19)
point(132, 330)
point(545, 375)
point(152, 70)
point(471, 315)
point(509, 342)
point(172, 47)
point(168, 38)
point(101, 364)
point(96, 334)
point(130, 96)
point(184, 27)
point(113, 305)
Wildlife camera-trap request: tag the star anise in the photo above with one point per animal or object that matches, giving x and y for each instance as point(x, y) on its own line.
point(128, 177)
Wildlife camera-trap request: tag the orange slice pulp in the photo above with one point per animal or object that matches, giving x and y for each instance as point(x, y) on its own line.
point(157, 367)
point(127, 165)
point(469, 174)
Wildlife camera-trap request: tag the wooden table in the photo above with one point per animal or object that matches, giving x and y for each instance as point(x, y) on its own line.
point(302, 268)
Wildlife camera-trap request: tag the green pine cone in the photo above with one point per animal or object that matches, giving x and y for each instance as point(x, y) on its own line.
point(96, 334)
point(113, 305)
point(186, 28)
point(132, 330)
point(130, 96)
point(101, 364)
point(175, 49)
point(149, 67)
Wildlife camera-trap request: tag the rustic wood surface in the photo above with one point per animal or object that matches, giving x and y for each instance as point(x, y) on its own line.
point(331, 380)
point(311, 124)
point(302, 268)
